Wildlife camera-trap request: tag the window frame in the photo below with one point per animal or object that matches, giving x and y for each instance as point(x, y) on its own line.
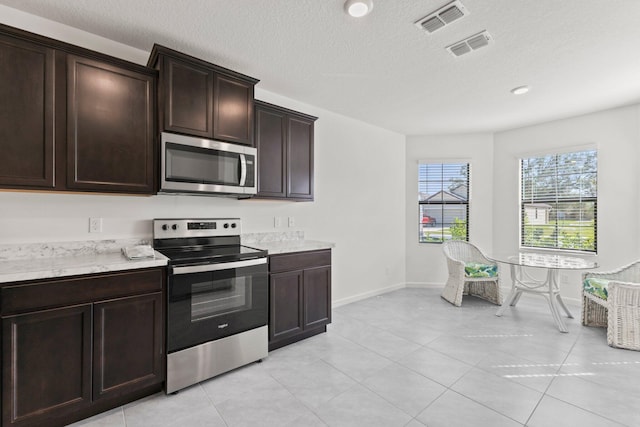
point(466, 203)
point(557, 200)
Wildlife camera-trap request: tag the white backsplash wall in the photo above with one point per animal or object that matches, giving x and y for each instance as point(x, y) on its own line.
point(359, 193)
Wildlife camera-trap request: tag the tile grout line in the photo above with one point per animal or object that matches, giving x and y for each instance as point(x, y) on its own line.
point(563, 364)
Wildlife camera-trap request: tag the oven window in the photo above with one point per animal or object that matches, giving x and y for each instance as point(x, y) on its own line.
point(218, 297)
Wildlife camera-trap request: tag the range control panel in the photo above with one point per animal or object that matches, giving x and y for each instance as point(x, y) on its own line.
point(177, 228)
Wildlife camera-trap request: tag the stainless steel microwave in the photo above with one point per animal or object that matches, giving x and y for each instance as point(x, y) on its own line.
point(208, 167)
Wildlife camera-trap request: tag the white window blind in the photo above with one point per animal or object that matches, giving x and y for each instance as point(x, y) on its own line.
point(443, 202)
point(559, 201)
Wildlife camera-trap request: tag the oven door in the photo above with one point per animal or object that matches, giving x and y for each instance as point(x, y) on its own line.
point(201, 165)
point(208, 302)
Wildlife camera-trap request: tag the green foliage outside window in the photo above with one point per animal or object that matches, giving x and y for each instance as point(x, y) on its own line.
point(459, 229)
point(559, 201)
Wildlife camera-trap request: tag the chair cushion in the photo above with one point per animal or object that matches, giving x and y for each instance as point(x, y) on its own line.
point(475, 269)
point(596, 286)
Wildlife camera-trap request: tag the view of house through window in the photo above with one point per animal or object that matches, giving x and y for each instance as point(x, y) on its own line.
point(559, 201)
point(443, 202)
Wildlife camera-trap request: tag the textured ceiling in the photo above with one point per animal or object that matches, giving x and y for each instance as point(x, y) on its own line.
point(578, 56)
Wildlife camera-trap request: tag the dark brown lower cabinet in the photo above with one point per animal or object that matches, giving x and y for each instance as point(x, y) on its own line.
point(46, 365)
point(300, 296)
point(127, 335)
point(100, 346)
point(286, 305)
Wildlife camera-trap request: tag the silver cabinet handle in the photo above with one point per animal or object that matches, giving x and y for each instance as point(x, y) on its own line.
point(218, 267)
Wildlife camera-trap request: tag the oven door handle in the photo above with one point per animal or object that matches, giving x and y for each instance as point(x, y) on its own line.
point(218, 267)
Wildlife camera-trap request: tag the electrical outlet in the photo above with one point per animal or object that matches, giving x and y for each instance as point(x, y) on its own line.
point(292, 221)
point(277, 222)
point(95, 225)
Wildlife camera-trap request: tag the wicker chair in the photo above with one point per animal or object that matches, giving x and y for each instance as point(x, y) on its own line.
point(460, 254)
point(620, 311)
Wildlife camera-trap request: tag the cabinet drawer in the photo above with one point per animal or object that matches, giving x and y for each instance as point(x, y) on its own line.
point(77, 290)
point(299, 260)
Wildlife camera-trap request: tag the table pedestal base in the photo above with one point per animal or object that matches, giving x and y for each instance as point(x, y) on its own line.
point(548, 288)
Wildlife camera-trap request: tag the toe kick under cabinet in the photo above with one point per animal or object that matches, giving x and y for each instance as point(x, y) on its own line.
point(299, 296)
point(77, 346)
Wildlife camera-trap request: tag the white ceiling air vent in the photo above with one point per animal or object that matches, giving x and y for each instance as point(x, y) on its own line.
point(443, 16)
point(469, 44)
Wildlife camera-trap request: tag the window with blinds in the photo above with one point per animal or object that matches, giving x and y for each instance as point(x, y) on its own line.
point(443, 202)
point(559, 198)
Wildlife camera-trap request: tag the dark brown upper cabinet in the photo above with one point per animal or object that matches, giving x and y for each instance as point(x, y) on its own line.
point(73, 119)
point(109, 127)
point(284, 139)
point(26, 113)
point(202, 99)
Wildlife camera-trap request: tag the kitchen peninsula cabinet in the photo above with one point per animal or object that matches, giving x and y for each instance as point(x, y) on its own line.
point(202, 99)
point(77, 346)
point(73, 119)
point(284, 139)
point(299, 296)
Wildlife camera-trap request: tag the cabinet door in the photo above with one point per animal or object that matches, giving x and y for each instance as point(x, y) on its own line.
point(300, 159)
point(285, 305)
point(317, 297)
point(233, 110)
point(109, 127)
point(127, 353)
point(188, 98)
point(46, 365)
point(26, 114)
point(271, 145)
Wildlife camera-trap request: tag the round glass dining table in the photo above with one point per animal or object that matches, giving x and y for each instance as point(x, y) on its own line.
point(548, 287)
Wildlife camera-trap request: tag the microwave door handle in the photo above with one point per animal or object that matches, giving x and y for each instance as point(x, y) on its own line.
point(243, 169)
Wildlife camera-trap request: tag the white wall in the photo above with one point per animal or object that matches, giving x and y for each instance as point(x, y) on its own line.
point(616, 134)
point(494, 215)
point(359, 198)
point(425, 262)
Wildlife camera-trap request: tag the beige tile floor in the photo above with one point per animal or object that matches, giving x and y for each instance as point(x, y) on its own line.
point(408, 358)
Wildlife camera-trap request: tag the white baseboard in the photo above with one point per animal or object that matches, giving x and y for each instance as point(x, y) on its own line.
point(365, 295)
point(424, 285)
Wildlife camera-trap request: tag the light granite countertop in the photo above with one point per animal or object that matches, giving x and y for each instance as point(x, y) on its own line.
point(51, 260)
point(290, 246)
point(283, 242)
point(21, 262)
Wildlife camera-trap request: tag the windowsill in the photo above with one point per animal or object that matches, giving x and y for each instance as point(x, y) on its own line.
point(559, 251)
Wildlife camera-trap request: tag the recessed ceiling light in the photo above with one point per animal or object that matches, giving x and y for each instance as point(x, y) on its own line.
point(358, 8)
point(520, 90)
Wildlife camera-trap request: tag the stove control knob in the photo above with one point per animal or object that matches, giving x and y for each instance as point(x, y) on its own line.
point(226, 225)
point(234, 225)
point(174, 227)
point(165, 227)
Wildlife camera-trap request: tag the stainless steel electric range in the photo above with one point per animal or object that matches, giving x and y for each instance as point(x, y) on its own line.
point(217, 298)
